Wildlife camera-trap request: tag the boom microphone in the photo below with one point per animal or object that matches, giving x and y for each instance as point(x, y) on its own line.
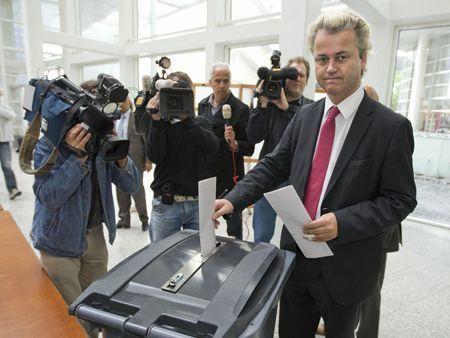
point(163, 83)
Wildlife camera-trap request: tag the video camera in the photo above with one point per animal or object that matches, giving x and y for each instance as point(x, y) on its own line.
point(176, 99)
point(63, 104)
point(274, 79)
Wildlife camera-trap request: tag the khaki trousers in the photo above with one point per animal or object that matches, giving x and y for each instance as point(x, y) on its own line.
point(72, 276)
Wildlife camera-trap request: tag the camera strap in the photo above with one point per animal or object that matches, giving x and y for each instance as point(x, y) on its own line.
point(29, 142)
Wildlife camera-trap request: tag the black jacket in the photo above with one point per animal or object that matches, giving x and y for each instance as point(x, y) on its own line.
point(179, 151)
point(268, 124)
point(370, 191)
point(220, 164)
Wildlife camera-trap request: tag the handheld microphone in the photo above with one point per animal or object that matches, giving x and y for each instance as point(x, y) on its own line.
point(163, 83)
point(140, 121)
point(226, 113)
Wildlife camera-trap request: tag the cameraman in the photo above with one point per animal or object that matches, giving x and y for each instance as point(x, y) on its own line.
point(228, 163)
point(178, 147)
point(72, 202)
point(267, 123)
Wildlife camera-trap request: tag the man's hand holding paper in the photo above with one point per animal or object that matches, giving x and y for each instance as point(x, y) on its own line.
point(323, 229)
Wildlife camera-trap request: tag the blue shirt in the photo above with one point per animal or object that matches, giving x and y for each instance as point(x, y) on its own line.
point(63, 199)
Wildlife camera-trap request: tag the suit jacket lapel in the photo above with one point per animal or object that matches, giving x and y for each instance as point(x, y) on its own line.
point(357, 130)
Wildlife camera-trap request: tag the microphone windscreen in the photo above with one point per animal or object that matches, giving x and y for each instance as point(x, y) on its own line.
point(226, 112)
point(146, 83)
point(163, 84)
point(264, 73)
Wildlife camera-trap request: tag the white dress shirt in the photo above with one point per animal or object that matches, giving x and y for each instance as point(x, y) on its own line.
point(122, 124)
point(343, 121)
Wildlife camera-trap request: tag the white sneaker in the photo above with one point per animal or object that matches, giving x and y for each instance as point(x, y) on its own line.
point(14, 193)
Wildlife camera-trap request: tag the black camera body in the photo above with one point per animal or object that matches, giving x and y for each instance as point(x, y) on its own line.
point(63, 104)
point(110, 90)
point(176, 101)
point(272, 89)
point(274, 79)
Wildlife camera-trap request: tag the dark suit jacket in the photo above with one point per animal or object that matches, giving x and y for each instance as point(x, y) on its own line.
point(221, 163)
point(137, 145)
point(371, 190)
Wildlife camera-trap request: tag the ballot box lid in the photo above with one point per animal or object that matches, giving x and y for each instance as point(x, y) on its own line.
point(167, 285)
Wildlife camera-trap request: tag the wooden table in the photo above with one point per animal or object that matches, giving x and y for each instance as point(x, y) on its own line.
point(30, 305)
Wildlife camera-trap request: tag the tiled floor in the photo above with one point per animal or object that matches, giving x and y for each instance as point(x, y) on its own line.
point(416, 292)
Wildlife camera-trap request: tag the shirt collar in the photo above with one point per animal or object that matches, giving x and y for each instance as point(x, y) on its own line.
point(348, 106)
point(211, 98)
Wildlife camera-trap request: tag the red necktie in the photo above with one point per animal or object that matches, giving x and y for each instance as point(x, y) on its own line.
point(320, 163)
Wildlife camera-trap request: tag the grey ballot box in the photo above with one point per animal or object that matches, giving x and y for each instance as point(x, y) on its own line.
point(168, 290)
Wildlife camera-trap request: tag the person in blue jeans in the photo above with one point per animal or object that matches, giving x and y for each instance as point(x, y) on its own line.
point(73, 201)
point(179, 148)
point(6, 136)
point(267, 123)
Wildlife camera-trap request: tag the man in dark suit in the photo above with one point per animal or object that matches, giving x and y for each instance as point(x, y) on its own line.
point(350, 160)
point(228, 163)
point(125, 127)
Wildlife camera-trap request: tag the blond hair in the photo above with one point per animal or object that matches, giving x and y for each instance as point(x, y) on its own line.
point(335, 21)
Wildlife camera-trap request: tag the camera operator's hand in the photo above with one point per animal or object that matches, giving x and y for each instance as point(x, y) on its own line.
point(263, 100)
point(153, 103)
point(230, 138)
point(148, 166)
point(282, 102)
point(76, 138)
point(125, 105)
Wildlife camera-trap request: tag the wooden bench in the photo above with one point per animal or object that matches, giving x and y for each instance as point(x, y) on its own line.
point(30, 305)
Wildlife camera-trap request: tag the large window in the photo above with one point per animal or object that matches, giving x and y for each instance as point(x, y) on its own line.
point(51, 52)
point(157, 17)
point(421, 92)
point(50, 15)
point(99, 20)
point(245, 61)
point(241, 9)
point(422, 78)
point(91, 72)
point(192, 63)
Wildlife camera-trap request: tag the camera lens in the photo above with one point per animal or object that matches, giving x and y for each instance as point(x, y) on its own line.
point(272, 88)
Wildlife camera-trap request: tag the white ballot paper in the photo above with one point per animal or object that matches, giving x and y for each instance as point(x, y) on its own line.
point(206, 199)
point(292, 212)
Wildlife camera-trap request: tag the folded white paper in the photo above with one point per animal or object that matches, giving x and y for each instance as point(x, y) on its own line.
point(207, 197)
point(289, 207)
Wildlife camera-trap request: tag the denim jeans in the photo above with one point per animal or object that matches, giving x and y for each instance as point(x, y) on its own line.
point(5, 159)
point(169, 219)
point(264, 218)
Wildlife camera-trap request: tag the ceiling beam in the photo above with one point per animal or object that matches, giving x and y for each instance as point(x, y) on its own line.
point(80, 43)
